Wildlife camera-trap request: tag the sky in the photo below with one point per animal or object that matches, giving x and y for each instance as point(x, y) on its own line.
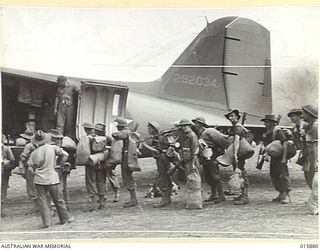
point(140, 44)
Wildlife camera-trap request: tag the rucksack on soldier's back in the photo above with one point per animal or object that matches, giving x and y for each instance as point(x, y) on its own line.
point(83, 151)
point(133, 163)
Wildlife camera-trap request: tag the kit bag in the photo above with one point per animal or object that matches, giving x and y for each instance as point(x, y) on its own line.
point(115, 155)
point(99, 144)
point(68, 143)
point(275, 149)
point(83, 151)
point(133, 163)
point(194, 199)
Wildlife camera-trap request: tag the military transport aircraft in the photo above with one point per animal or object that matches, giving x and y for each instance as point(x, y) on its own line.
point(226, 66)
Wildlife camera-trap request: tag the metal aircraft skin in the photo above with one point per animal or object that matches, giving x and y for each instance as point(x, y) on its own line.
point(225, 67)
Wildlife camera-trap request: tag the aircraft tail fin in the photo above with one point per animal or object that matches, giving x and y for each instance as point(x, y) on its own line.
point(203, 73)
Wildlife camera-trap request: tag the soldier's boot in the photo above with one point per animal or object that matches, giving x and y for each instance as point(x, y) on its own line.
point(34, 209)
point(116, 196)
point(165, 199)
point(244, 198)
point(221, 196)
point(133, 202)
point(279, 197)
point(2, 210)
point(213, 195)
point(92, 204)
point(286, 198)
point(101, 202)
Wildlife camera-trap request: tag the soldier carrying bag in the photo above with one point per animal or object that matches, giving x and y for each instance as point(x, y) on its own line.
point(83, 151)
point(133, 163)
point(115, 155)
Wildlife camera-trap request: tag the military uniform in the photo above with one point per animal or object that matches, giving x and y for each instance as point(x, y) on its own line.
point(6, 169)
point(159, 146)
point(188, 151)
point(312, 151)
point(24, 157)
point(65, 99)
point(279, 172)
point(42, 163)
point(211, 168)
point(126, 173)
point(64, 171)
point(96, 177)
point(239, 130)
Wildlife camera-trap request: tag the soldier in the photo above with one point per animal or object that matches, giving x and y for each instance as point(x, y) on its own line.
point(100, 130)
point(237, 131)
point(189, 149)
point(7, 165)
point(82, 155)
point(42, 163)
point(298, 137)
point(24, 138)
point(127, 178)
point(310, 115)
point(31, 189)
point(64, 171)
point(295, 116)
point(64, 107)
point(211, 166)
point(158, 147)
point(278, 165)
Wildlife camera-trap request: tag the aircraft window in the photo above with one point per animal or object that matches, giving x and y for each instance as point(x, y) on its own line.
point(115, 106)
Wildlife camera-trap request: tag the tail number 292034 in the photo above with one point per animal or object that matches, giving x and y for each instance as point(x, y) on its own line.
point(194, 80)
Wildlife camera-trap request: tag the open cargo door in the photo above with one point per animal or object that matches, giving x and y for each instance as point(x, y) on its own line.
point(100, 103)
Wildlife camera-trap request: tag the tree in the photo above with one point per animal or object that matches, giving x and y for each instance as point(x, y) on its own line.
point(300, 87)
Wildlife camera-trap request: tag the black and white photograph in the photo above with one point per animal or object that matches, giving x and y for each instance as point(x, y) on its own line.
point(196, 123)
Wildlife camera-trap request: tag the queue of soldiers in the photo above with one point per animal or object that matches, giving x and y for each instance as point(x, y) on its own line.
point(190, 146)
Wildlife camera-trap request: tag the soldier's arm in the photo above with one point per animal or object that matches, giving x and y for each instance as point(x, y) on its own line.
point(121, 135)
point(194, 146)
point(236, 146)
point(62, 155)
point(149, 147)
point(25, 153)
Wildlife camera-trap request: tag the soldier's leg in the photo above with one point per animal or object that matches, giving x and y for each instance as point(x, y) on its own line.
point(244, 198)
point(308, 176)
point(31, 192)
point(91, 182)
point(65, 189)
point(5, 175)
point(217, 183)
point(209, 180)
point(275, 176)
point(284, 183)
point(43, 204)
point(61, 117)
point(313, 199)
point(101, 186)
point(113, 180)
point(69, 121)
point(58, 201)
point(128, 182)
point(4, 188)
point(164, 181)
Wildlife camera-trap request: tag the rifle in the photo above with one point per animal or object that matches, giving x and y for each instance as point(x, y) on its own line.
point(244, 118)
point(156, 135)
point(278, 119)
point(260, 159)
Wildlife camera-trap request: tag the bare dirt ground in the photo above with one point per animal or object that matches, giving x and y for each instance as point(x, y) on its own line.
point(260, 219)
